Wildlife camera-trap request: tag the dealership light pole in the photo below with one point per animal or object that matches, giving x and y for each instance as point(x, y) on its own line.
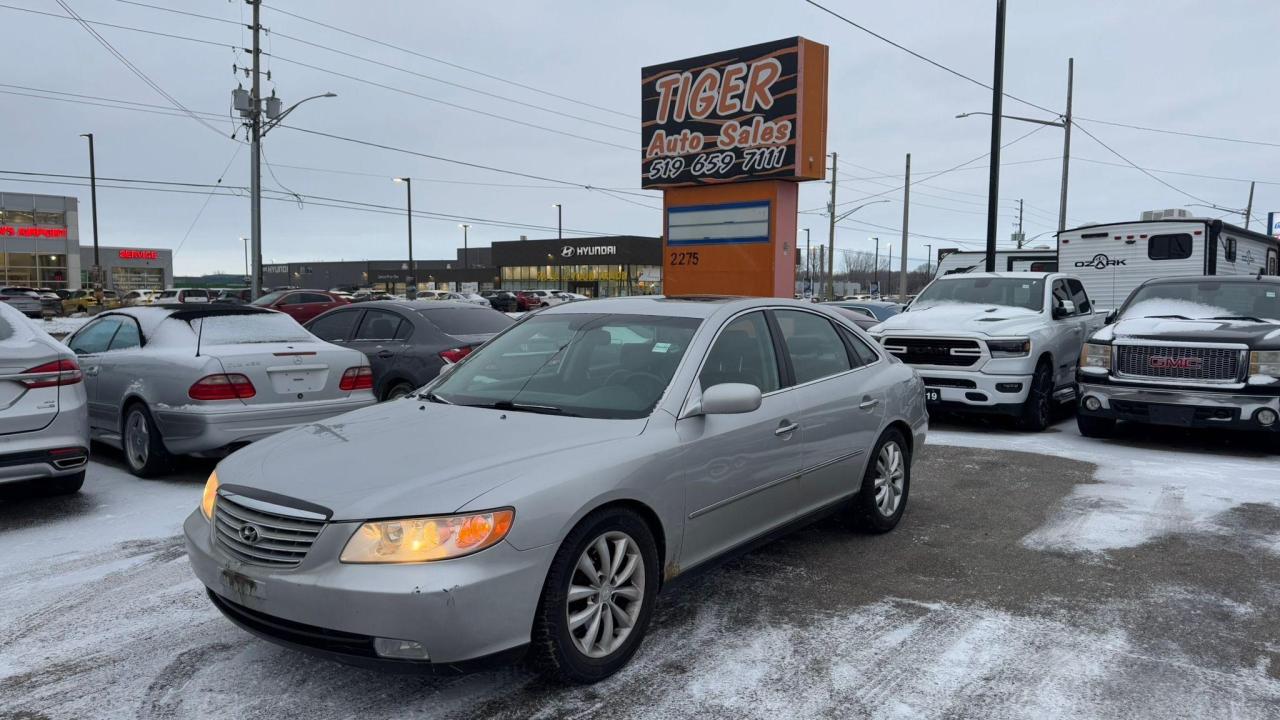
point(246, 257)
point(412, 291)
point(559, 221)
point(93, 200)
point(465, 253)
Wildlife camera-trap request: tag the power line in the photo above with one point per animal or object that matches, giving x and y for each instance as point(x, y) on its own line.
point(207, 198)
point(456, 66)
point(1182, 173)
point(181, 12)
point(1179, 132)
point(1144, 171)
point(100, 23)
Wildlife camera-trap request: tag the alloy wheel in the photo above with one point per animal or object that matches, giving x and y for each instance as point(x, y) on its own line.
point(890, 476)
point(137, 439)
point(606, 593)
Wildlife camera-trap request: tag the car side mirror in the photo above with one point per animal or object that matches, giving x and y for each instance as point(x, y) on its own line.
point(1063, 309)
point(730, 399)
point(1110, 318)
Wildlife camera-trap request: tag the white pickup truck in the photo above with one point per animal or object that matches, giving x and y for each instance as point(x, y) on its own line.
point(1005, 342)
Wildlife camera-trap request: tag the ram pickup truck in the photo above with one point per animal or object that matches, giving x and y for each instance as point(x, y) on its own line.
point(1186, 352)
point(1005, 342)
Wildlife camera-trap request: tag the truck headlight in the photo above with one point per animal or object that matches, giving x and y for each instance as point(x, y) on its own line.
point(1009, 348)
point(1264, 362)
point(1093, 355)
point(210, 495)
point(421, 539)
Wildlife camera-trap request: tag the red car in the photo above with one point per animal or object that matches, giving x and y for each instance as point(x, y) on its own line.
point(527, 300)
point(301, 305)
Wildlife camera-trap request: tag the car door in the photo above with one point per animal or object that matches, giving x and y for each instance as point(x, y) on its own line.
point(380, 338)
point(740, 468)
point(841, 403)
point(117, 371)
point(1070, 336)
point(90, 344)
point(335, 327)
point(292, 305)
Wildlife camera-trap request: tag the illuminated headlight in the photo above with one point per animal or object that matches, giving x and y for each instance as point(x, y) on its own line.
point(1265, 362)
point(422, 539)
point(210, 495)
point(1093, 355)
point(1009, 348)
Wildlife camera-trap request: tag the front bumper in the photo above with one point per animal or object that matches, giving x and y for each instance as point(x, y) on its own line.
point(195, 429)
point(460, 610)
point(1179, 407)
point(976, 391)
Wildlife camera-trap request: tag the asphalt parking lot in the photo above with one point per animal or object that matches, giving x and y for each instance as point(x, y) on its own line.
point(1033, 576)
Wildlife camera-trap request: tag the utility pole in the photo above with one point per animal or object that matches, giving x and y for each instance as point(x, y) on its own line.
point(93, 200)
point(1020, 236)
point(928, 260)
point(808, 265)
point(997, 111)
point(906, 217)
point(1066, 148)
point(255, 156)
point(875, 269)
point(888, 271)
point(1248, 209)
point(831, 238)
point(245, 240)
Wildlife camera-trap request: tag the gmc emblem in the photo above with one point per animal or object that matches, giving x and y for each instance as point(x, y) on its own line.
point(1164, 362)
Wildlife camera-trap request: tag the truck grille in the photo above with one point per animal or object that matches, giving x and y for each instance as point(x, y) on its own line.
point(934, 351)
point(263, 538)
point(1197, 364)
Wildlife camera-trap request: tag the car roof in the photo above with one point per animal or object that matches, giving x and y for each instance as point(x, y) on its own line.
point(1238, 279)
point(1023, 275)
point(867, 303)
point(697, 306)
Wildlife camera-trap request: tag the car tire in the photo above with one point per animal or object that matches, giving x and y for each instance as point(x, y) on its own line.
point(398, 391)
point(557, 647)
point(888, 471)
point(1037, 411)
point(1095, 427)
point(143, 447)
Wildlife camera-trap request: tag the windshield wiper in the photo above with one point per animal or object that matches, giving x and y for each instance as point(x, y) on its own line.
point(538, 409)
point(432, 397)
point(1249, 318)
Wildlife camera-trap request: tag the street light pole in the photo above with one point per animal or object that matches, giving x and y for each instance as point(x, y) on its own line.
point(875, 269)
point(808, 265)
point(559, 221)
point(928, 261)
point(93, 200)
point(464, 227)
point(411, 291)
point(245, 240)
point(997, 104)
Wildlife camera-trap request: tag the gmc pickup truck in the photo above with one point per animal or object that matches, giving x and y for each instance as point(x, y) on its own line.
point(1186, 352)
point(1003, 343)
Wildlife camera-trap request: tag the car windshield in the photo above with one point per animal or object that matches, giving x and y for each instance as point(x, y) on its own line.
point(1201, 299)
point(266, 327)
point(269, 298)
point(588, 365)
point(1019, 292)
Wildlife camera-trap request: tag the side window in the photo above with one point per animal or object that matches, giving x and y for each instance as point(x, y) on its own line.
point(336, 327)
point(816, 351)
point(291, 299)
point(1229, 249)
point(1060, 293)
point(864, 311)
point(1079, 296)
point(860, 352)
point(126, 337)
point(743, 353)
point(314, 298)
point(1169, 247)
point(95, 336)
point(404, 331)
point(378, 325)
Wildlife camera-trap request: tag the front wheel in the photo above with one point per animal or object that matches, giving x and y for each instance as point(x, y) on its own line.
point(398, 391)
point(597, 599)
point(1037, 411)
point(882, 499)
point(1095, 427)
point(144, 449)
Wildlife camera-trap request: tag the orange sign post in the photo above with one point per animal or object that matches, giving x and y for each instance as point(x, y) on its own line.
point(727, 136)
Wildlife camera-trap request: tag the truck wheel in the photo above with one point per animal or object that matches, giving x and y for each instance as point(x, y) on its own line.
point(1037, 411)
point(1095, 427)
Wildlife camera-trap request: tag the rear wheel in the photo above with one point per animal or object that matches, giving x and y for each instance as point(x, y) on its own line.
point(597, 599)
point(1095, 427)
point(144, 449)
point(397, 391)
point(882, 499)
point(1037, 411)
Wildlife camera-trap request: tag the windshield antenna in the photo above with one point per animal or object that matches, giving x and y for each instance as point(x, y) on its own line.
point(199, 335)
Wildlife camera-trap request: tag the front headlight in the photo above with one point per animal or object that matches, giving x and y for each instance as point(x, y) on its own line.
point(1093, 355)
point(422, 539)
point(210, 494)
point(1264, 362)
point(1009, 348)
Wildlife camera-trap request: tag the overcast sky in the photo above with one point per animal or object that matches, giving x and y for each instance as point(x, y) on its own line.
point(1184, 65)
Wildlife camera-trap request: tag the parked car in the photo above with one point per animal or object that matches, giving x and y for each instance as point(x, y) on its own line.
point(540, 298)
point(50, 300)
point(876, 309)
point(542, 490)
point(502, 300)
point(138, 297)
point(181, 295)
point(1186, 352)
point(570, 296)
point(469, 298)
point(44, 426)
point(234, 296)
point(84, 300)
point(204, 379)
point(1002, 343)
point(23, 299)
point(861, 319)
point(431, 294)
point(408, 342)
point(301, 305)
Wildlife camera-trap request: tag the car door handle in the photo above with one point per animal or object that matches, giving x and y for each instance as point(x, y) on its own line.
point(92, 370)
point(868, 404)
point(385, 354)
point(786, 427)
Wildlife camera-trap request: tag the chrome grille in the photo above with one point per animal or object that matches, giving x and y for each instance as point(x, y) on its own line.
point(1193, 363)
point(934, 351)
point(275, 540)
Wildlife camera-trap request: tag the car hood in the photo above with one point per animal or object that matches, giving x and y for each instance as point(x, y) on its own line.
point(993, 320)
point(1259, 336)
point(407, 457)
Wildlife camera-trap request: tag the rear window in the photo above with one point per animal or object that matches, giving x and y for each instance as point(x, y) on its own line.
point(465, 321)
point(255, 328)
point(1176, 246)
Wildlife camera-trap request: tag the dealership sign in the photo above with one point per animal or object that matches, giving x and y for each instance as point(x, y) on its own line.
point(569, 251)
point(754, 113)
point(139, 254)
point(1273, 224)
point(36, 232)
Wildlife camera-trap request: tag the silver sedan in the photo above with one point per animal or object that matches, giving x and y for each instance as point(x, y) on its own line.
point(166, 380)
point(537, 495)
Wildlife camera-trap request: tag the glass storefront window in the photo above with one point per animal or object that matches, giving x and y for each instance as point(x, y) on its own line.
point(48, 218)
point(19, 217)
point(124, 279)
point(52, 270)
point(592, 280)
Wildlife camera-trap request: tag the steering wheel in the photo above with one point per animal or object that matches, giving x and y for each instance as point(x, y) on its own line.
point(645, 384)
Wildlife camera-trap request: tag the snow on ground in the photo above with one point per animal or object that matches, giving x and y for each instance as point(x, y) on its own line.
point(60, 327)
point(1142, 492)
